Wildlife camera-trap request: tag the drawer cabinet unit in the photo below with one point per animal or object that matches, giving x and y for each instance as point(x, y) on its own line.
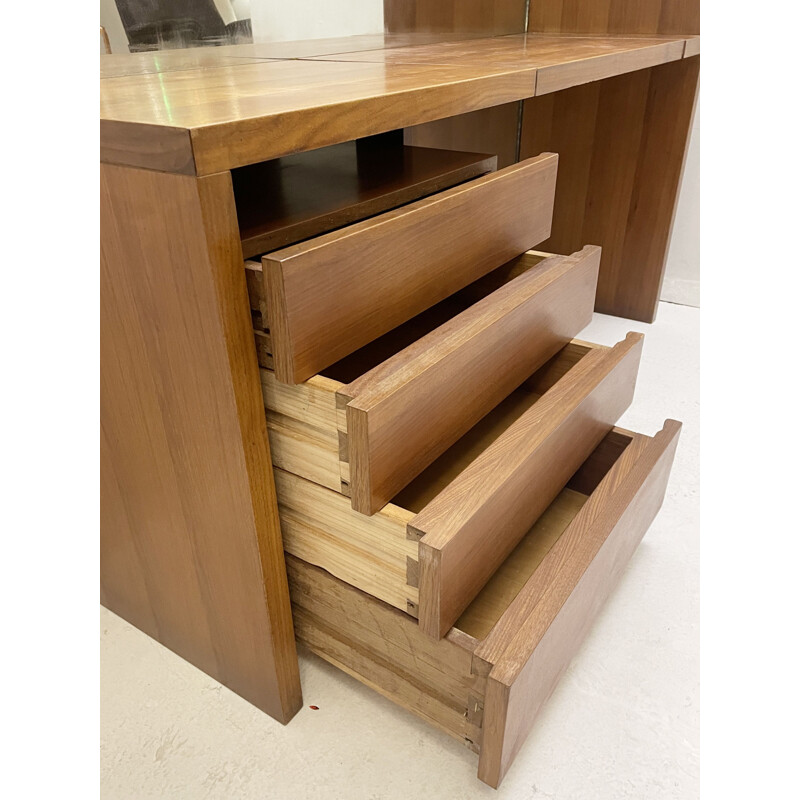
point(455, 499)
point(344, 396)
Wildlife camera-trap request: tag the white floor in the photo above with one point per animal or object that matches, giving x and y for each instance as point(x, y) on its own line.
point(623, 723)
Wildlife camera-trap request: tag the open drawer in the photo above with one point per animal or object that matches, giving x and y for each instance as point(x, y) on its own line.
point(485, 682)
point(330, 295)
point(402, 400)
point(431, 550)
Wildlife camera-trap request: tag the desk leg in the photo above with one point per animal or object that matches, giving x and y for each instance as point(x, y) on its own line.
point(621, 144)
point(191, 549)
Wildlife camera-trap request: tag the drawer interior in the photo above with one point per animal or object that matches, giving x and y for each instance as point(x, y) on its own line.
point(494, 599)
point(320, 526)
point(286, 200)
point(308, 422)
point(356, 366)
point(438, 475)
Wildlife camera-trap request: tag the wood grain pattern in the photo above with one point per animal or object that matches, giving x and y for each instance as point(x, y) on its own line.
point(468, 529)
point(386, 677)
point(458, 16)
point(352, 367)
point(615, 16)
point(306, 424)
point(305, 450)
point(156, 147)
point(319, 524)
point(237, 115)
point(383, 648)
point(188, 499)
point(581, 570)
point(312, 402)
point(254, 275)
point(282, 201)
point(564, 73)
point(247, 110)
point(621, 145)
point(489, 130)
point(434, 480)
point(370, 553)
point(302, 426)
point(483, 613)
point(559, 61)
point(517, 607)
point(383, 279)
point(692, 47)
point(406, 412)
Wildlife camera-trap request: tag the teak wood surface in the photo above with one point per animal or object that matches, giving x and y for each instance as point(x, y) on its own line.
point(489, 130)
point(621, 145)
point(560, 62)
point(374, 553)
point(622, 141)
point(191, 550)
point(437, 17)
point(533, 644)
point(468, 529)
point(406, 412)
point(615, 17)
point(210, 120)
point(333, 294)
point(245, 109)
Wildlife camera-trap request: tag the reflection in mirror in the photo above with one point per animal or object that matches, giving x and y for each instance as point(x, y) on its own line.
point(146, 25)
point(175, 24)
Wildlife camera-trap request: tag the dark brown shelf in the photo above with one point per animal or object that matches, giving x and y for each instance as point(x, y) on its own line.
point(286, 200)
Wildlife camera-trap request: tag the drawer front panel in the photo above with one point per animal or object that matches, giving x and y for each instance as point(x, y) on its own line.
point(533, 643)
point(470, 527)
point(331, 295)
point(407, 411)
point(289, 199)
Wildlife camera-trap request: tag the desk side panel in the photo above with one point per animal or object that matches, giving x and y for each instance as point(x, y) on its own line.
point(191, 550)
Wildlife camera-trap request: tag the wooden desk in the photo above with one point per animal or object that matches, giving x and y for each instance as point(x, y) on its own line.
point(191, 544)
point(227, 111)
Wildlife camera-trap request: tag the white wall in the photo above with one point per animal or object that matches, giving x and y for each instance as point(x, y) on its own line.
point(109, 19)
point(289, 20)
point(682, 275)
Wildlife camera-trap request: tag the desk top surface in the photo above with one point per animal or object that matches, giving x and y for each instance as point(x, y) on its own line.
point(206, 110)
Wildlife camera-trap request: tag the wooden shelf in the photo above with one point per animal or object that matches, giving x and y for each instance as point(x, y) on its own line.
point(284, 200)
point(229, 111)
